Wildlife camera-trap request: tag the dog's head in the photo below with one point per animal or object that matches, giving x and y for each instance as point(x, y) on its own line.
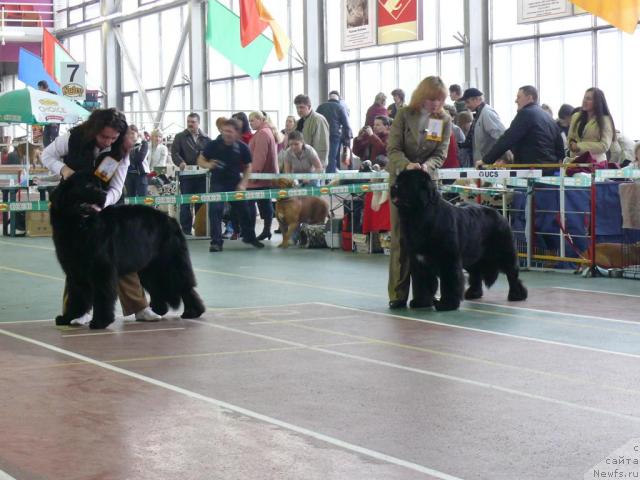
point(414, 189)
point(285, 183)
point(79, 194)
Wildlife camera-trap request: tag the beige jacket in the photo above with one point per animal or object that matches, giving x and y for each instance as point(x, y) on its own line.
point(407, 143)
point(316, 133)
point(591, 139)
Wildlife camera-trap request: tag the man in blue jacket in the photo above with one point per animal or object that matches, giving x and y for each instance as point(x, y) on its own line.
point(532, 137)
point(339, 130)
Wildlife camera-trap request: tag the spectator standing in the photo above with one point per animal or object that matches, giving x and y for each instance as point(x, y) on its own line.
point(398, 103)
point(314, 128)
point(51, 130)
point(455, 93)
point(377, 109)
point(339, 129)
point(486, 127)
point(159, 152)
point(245, 128)
point(264, 160)
point(229, 160)
point(592, 129)
point(533, 135)
point(136, 183)
point(185, 149)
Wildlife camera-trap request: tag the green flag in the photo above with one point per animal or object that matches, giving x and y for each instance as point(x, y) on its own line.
point(223, 34)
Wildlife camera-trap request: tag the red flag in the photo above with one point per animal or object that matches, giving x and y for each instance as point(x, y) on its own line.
point(251, 25)
point(48, 52)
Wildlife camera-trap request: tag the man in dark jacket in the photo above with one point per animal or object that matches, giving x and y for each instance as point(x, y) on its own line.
point(339, 130)
point(185, 149)
point(532, 137)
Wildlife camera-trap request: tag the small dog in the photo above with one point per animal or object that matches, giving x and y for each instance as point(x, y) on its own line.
point(293, 211)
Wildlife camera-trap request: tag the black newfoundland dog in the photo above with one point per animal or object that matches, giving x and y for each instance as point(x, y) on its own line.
point(442, 239)
point(95, 247)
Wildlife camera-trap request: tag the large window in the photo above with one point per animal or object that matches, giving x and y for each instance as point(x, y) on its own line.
point(87, 48)
point(231, 90)
point(69, 13)
point(360, 74)
point(563, 58)
point(151, 42)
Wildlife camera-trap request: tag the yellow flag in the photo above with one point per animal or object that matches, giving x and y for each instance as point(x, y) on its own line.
point(281, 41)
point(623, 14)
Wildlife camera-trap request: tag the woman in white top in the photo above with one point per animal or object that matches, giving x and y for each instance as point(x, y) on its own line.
point(592, 129)
point(159, 152)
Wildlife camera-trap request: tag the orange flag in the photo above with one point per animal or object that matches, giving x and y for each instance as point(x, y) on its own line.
point(254, 18)
point(623, 14)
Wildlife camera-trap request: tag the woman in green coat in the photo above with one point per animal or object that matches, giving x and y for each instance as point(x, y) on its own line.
point(419, 138)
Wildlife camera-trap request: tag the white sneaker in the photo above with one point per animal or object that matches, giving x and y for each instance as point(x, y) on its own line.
point(83, 320)
point(147, 315)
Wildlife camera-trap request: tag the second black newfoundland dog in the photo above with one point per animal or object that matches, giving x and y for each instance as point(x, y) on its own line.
point(95, 247)
point(442, 239)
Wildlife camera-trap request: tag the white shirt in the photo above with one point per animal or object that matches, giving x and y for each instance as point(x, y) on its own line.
point(158, 156)
point(52, 159)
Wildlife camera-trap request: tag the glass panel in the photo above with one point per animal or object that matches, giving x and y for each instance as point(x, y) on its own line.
point(504, 20)
point(275, 95)
point(452, 67)
point(297, 87)
point(92, 11)
point(388, 80)
point(148, 48)
point(130, 36)
point(451, 21)
point(370, 87)
point(334, 79)
point(512, 68)
point(565, 69)
point(297, 27)
point(629, 123)
point(93, 42)
point(170, 34)
point(351, 94)
point(610, 73)
point(246, 95)
point(428, 66)
point(409, 73)
point(75, 16)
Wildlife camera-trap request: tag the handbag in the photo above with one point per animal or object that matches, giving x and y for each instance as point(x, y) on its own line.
point(346, 158)
point(586, 157)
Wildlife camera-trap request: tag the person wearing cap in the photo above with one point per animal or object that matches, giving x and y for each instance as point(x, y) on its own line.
point(339, 129)
point(533, 135)
point(486, 127)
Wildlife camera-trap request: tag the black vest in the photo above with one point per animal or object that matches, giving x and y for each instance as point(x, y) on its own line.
point(80, 156)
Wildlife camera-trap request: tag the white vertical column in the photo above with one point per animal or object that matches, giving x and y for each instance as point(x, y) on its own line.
point(198, 74)
point(315, 72)
point(476, 19)
point(111, 58)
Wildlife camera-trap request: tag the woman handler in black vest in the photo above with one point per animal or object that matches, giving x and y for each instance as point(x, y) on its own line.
point(104, 131)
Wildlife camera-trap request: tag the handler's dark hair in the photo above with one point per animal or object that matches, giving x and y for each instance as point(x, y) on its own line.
point(97, 121)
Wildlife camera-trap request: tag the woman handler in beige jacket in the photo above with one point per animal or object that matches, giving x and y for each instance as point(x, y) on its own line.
point(419, 138)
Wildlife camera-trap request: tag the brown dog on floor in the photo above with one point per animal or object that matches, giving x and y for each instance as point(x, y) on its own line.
point(293, 211)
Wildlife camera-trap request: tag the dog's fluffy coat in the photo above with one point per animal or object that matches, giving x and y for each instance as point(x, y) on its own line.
point(94, 248)
point(443, 239)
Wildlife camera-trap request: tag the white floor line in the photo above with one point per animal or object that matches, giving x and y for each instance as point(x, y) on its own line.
point(243, 411)
point(5, 476)
point(565, 314)
point(121, 332)
point(487, 332)
point(598, 291)
point(17, 322)
point(271, 322)
point(21, 245)
point(222, 309)
point(430, 373)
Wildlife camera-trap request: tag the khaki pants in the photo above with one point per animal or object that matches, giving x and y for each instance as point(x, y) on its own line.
point(402, 275)
point(130, 292)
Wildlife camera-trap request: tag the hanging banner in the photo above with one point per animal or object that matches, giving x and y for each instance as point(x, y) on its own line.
point(531, 11)
point(358, 20)
point(399, 21)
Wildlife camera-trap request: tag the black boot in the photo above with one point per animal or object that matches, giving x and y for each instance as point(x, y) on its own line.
point(266, 231)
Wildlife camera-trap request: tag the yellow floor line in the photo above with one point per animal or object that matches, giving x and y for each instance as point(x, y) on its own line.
point(31, 274)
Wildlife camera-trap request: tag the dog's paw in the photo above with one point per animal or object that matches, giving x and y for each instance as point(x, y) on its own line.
point(444, 306)
point(472, 294)
point(518, 294)
point(421, 303)
point(161, 308)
